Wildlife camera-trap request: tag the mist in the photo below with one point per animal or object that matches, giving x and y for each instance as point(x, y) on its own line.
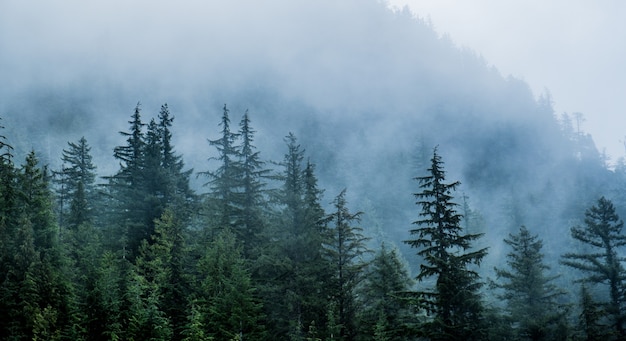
point(365, 88)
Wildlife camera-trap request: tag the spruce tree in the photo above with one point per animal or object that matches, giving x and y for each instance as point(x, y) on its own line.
point(224, 181)
point(37, 299)
point(106, 300)
point(345, 250)
point(174, 188)
point(291, 270)
point(532, 299)
point(251, 224)
point(384, 297)
point(76, 185)
point(226, 295)
point(602, 263)
point(162, 279)
point(590, 318)
point(129, 211)
point(454, 302)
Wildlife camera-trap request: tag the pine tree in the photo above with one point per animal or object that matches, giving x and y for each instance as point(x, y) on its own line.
point(345, 250)
point(292, 271)
point(160, 283)
point(176, 191)
point(590, 318)
point(226, 296)
point(106, 299)
point(127, 187)
point(447, 253)
point(150, 180)
point(34, 286)
point(251, 224)
point(224, 182)
point(76, 188)
point(602, 263)
point(532, 298)
point(386, 308)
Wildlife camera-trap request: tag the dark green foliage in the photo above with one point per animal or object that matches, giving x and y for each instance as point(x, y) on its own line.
point(532, 298)
point(126, 187)
point(590, 318)
point(37, 301)
point(172, 188)
point(601, 262)
point(297, 267)
point(251, 224)
point(454, 302)
point(106, 299)
point(224, 181)
point(344, 250)
point(226, 307)
point(384, 297)
point(151, 178)
point(161, 271)
point(75, 186)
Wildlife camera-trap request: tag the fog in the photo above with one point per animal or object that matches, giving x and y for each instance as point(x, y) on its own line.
point(569, 47)
point(362, 86)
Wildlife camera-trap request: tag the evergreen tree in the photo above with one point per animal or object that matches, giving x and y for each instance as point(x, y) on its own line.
point(590, 318)
point(602, 235)
point(224, 182)
point(252, 187)
point(130, 213)
point(454, 302)
point(386, 308)
point(226, 296)
point(292, 271)
point(151, 178)
point(344, 250)
point(37, 300)
point(160, 282)
point(76, 187)
point(174, 190)
point(106, 300)
point(532, 298)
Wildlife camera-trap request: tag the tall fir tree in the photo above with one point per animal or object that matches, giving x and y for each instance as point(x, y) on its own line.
point(454, 303)
point(532, 297)
point(345, 250)
point(252, 174)
point(36, 297)
point(224, 181)
point(590, 318)
point(384, 297)
point(150, 180)
point(129, 212)
point(76, 185)
point(602, 263)
point(291, 271)
point(226, 299)
point(175, 189)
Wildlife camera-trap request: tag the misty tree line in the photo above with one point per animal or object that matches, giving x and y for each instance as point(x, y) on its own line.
point(139, 255)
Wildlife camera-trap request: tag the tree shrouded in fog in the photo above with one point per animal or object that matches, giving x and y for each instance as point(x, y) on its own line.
point(531, 296)
point(384, 297)
point(602, 264)
point(345, 250)
point(224, 181)
point(76, 187)
point(150, 179)
point(454, 302)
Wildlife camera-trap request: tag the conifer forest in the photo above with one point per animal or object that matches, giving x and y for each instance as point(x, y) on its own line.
point(353, 189)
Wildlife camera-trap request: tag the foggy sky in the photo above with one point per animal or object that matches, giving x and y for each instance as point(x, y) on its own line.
point(575, 49)
point(353, 78)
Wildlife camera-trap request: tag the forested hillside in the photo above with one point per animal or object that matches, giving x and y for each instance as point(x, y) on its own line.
point(285, 181)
